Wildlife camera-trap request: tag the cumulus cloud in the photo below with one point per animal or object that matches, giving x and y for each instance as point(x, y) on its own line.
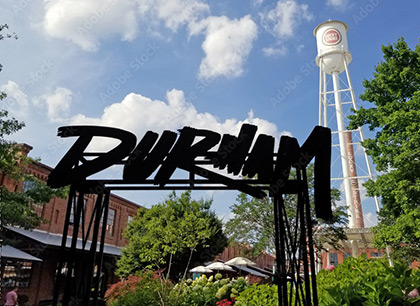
point(340, 5)
point(283, 20)
point(227, 45)
point(57, 103)
point(86, 23)
point(17, 101)
point(138, 114)
point(176, 13)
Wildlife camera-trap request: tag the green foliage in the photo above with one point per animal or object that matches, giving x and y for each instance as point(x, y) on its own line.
point(258, 295)
point(395, 93)
point(253, 221)
point(148, 289)
point(203, 291)
point(171, 236)
point(361, 281)
point(357, 281)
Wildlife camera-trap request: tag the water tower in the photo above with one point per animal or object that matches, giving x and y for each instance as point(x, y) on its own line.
point(337, 94)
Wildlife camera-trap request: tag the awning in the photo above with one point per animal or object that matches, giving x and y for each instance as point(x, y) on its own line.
point(55, 240)
point(8, 251)
point(250, 271)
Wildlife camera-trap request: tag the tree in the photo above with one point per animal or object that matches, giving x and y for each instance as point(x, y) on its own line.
point(395, 149)
point(253, 221)
point(172, 236)
point(16, 208)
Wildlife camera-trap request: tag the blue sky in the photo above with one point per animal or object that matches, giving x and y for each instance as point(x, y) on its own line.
point(153, 65)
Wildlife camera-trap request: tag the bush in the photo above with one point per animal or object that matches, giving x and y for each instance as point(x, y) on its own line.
point(361, 281)
point(148, 289)
point(209, 291)
point(258, 295)
point(144, 289)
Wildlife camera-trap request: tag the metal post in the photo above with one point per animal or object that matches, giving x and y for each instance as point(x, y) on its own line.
point(92, 253)
point(69, 285)
point(105, 207)
point(279, 257)
point(62, 256)
point(310, 237)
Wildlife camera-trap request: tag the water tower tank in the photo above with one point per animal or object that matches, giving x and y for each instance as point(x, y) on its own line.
point(331, 41)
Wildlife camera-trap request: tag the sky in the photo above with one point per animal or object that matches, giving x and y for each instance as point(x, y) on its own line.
point(153, 65)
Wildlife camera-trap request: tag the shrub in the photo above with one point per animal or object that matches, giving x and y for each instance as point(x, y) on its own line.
point(258, 295)
point(361, 281)
point(149, 289)
point(203, 291)
point(144, 289)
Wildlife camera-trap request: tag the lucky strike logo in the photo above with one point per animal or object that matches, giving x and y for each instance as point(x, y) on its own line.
point(331, 37)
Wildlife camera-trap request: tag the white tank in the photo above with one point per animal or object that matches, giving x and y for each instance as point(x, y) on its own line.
point(331, 41)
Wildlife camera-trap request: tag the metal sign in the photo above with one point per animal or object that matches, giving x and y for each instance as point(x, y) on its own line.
point(331, 37)
point(244, 162)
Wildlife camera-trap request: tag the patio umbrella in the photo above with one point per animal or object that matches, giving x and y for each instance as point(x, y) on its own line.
point(201, 269)
point(220, 266)
point(240, 261)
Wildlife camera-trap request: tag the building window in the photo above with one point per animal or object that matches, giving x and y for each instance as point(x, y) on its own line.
point(16, 274)
point(57, 215)
point(29, 185)
point(375, 255)
point(73, 211)
point(333, 259)
point(130, 218)
point(110, 222)
point(346, 255)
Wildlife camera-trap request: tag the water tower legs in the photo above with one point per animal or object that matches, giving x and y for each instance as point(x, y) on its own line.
point(343, 149)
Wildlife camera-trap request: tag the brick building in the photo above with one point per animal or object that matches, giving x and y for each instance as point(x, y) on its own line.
point(31, 263)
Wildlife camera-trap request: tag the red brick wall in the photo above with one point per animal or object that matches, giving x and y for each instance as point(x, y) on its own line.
point(340, 255)
point(42, 276)
point(55, 210)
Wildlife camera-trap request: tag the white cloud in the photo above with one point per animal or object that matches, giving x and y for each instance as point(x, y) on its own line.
point(86, 23)
point(227, 45)
point(16, 101)
point(257, 2)
point(225, 217)
point(57, 103)
point(275, 51)
point(370, 219)
point(340, 5)
point(300, 48)
point(139, 114)
point(283, 20)
point(176, 13)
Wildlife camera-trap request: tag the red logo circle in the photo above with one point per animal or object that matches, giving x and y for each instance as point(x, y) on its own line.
point(331, 37)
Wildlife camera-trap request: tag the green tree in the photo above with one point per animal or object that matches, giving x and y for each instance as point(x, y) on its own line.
point(253, 221)
point(395, 117)
point(16, 208)
point(173, 235)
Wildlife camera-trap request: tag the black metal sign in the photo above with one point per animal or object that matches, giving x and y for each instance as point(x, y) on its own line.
point(244, 162)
